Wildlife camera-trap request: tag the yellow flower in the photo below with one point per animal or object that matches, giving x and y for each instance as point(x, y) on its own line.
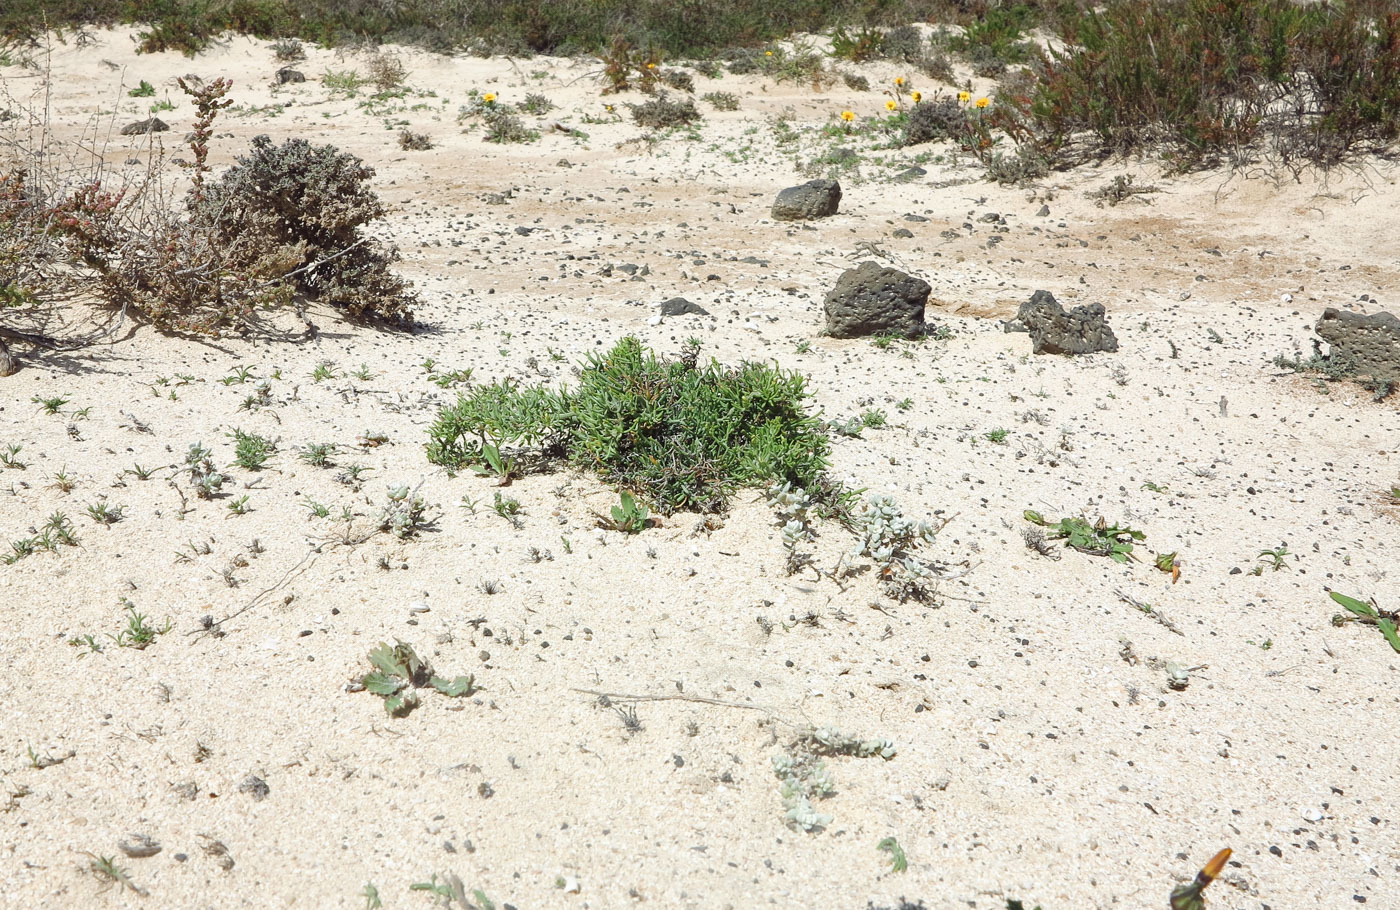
point(898, 80)
point(982, 102)
point(848, 116)
point(890, 105)
point(489, 98)
point(917, 96)
point(964, 97)
point(767, 53)
point(651, 66)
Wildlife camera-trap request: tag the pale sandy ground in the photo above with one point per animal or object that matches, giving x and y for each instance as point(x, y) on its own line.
point(1034, 762)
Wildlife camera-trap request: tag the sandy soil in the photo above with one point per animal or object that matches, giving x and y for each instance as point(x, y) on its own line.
point(1041, 755)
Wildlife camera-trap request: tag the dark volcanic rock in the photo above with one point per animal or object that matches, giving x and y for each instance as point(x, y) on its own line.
point(813, 199)
point(149, 125)
point(1081, 330)
point(1370, 343)
point(679, 306)
point(873, 300)
point(288, 75)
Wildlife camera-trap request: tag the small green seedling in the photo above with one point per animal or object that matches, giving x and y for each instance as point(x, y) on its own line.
point(323, 371)
point(1388, 621)
point(452, 890)
point(495, 465)
point(239, 376)
point(1098, 539)
point(104, 514)
point(1276, 557)
point(506, 507)
point(898, 862)
point(106, 868)
point(144, 90)
point(9, 457)
point(629, 517)
point(49, 405)
point(240, 505)
point(250, 450)
point(371, 896)
point(138, 634)
point(318, 454)
point(998, 436)
point(399, 671)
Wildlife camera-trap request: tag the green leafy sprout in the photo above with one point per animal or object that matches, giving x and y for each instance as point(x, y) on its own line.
point(399, 671)
point(1098, 539)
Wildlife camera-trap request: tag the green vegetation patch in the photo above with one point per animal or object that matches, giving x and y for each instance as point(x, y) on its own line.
point(679, 434)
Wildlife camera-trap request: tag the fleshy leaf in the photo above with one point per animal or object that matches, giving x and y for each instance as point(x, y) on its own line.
point(1354, 605)
point(1388, 629)
point(385, 660)
point(456, 688)
point(400, 704)
point(382, 683)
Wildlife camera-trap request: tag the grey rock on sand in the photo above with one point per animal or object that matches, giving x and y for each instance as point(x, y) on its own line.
point(813, 199)
point(871, 299)
point(1082, 330)
point(1372, 343)
point(679, 306)
point(142, 127)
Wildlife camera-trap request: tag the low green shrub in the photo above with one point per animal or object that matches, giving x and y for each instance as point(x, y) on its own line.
point(680, 435)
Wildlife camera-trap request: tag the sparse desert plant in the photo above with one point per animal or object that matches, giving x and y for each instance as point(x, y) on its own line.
point(893, 541)
point(721, 101)
point(629, 516)
point(144, 90)
point(935, 120)
point(505, 126)
point(288, 50)
point(138, 634)
point(318, 454)
point(679, 434)
point(536, 104)
point(679, 80)
point(662, 112)
point(1309, 84)
point(105, 514)
point(803, 773)
point(452, 890)
point(199, 462)
point(386, 71)
point(404, 513)
point(857, 46)
point(347, 81)
point(399, 672)
point(898, 861)
point(904, 43)
point(305, 207)
point(410, 141)
point(251, 451)
point(1097, 539)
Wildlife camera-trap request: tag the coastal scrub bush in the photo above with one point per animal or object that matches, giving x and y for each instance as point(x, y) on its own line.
point(661, 112)
point(1206, 81)
point(679, 434)
point(305, 206)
